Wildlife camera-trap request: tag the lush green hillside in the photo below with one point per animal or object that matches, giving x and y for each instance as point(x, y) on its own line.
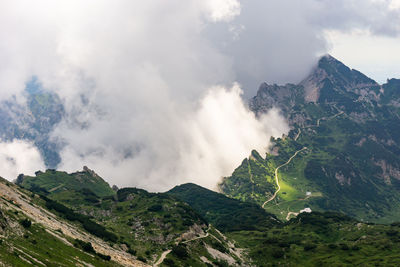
point(144, 224)
point(31, 236)
point(134, 226)
point(310, 239)
point(323, 239)
point(56, 182)
point(349, 128)
point(225, 213)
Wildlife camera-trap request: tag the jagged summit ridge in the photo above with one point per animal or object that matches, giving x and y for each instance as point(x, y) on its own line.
point(350, 126)
point(331, 71)
point(330, 82)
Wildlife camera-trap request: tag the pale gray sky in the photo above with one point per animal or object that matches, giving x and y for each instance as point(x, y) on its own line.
point(376, 56)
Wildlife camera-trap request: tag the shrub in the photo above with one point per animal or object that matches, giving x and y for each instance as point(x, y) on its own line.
point(180, 251)
point(221, 263)
point(141, 258)
point(309, 246)
point(132, 251)
point(332, 246)
point(85, 246)
point(220, 247)
point(99, 230)
point(187, 222)
point(284, 244)
point(277, 253)
point(392, 232)
point(26, 223)
point(104, 257)
point(155, 208)
point(169, 262)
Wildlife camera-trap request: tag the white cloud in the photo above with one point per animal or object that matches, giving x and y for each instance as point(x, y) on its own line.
point(19, 157)
point(354, 49)
point(222, 10)
point(183, 145)
point(139, 77)
point(395, 4)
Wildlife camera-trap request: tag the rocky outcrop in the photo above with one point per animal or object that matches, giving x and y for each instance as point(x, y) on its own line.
point(388, 171)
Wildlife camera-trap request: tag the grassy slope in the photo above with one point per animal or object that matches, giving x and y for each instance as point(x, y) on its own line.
point(57, 182)
point(32, 244)
point(328, 239)
point(37, 246)
point(140, 219)
point(340, 167)
point(225, 213)
point(352, 133)
point(145, 224)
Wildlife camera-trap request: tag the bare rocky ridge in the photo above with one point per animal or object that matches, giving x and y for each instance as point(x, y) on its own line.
point(312, 85)
point(329, 74)
point(22, 203)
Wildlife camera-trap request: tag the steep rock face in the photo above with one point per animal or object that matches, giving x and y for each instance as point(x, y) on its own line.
point(284, 97)
point(350, 126)
point(332, 75)
point(313, 84)
point(331, 83)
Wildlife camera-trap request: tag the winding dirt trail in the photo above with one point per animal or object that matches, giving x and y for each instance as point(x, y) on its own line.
point(276, 175)
point(329, 118)
point(291, 213)
point(196, 238)
point(298, 135)
point(162, 257)
point(165, 253)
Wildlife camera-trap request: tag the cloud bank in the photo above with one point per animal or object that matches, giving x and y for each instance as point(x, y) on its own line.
point(157, 151)
point(19, 157)
point(149, 86)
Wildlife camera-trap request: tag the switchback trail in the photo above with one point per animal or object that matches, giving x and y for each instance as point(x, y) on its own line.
point(196, 238)
point(162, 257)
point(291, 213)
point(276, 175)
point(165, 253)
point(329, 118)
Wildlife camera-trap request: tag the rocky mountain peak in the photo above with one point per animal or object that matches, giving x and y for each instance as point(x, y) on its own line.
point(332, 74)
point(90, 172)
point(330, 83)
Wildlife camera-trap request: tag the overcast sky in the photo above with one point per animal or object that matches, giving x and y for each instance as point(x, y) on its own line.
point(154, 89)
point(376, 56)
point(375, 53)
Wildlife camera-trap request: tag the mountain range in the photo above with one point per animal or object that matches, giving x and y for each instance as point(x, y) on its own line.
point(327, 193)
point(76, 219)
point(345, 127)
